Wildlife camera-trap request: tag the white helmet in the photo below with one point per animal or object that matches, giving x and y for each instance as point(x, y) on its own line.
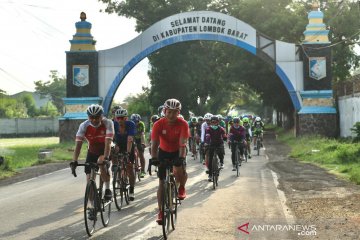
point(207, 116)
point(172, 104)
point(257, 119)
point(94, 110)
point(121, 113)
point(220, 117)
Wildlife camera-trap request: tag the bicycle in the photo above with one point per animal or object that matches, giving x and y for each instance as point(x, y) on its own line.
point(202, 153)
point(215, 163)
point(237, 158)
point(137, 166)
point(258, 144)
point(170, 201)
point(94, 201)
point(194, 148)
point(120, 181)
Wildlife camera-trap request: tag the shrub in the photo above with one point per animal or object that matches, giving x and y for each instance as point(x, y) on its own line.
point(356, 130)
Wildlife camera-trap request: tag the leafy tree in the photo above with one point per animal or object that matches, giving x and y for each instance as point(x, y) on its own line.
point(55, 88)
point(139, 104)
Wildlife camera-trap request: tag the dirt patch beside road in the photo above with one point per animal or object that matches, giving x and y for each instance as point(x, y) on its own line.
point(316, 197)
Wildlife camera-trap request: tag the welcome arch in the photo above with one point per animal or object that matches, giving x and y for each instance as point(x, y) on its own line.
point(115, 63)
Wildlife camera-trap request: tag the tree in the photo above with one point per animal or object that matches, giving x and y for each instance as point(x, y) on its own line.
point(206, 75)
point(55, 88)
point(139, 104)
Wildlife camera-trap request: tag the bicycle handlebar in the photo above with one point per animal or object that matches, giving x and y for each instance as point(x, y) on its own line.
point(73, 166)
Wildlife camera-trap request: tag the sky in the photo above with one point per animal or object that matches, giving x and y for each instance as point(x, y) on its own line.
point(35, 35)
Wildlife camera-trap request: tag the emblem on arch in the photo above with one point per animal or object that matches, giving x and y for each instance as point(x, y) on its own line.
point(317, 67)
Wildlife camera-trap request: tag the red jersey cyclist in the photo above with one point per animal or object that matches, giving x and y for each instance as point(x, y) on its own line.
point(169, 137)
point(99, 132)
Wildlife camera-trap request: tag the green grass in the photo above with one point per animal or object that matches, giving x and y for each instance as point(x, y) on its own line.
point(23, 152)
point(340, 157)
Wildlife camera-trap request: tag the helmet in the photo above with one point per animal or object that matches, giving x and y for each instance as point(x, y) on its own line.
point(215, 118)
point(154, 118)
point(160, 109)
point(241, 123)
point(172, 104)
point(121, 113)
point(236, 120)
point(207, 116)
point(94, 110)
point(116, 107)
point(257, 119)
point(245, 120)
point(193, 119)
point(200, 119)
point(220, 117)
point(135, 117)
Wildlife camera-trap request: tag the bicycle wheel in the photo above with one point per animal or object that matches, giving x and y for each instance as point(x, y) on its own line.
point(165, 211)
point(174, 204)
point(215, 170)
point(125, 187)
point(237, 156)
point(118, 194)
point(104, 206)
point(90, 208)
point(245, 153)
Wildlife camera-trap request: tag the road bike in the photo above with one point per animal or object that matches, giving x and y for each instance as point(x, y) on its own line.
point(120, 180)
point(194, 148)
point(237, 157)
point(215, 164)
point(202, 153)
point(170, 200)
point(258, 143)
point(137, 165)
point(94, 201)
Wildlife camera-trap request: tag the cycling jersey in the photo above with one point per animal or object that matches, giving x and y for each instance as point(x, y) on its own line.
point(203, 129)
point(121, 137)
point(192, 127)
point(140, 129)
point(169, 134)
point(95, 136)
point(237, 134)
point(215, 136)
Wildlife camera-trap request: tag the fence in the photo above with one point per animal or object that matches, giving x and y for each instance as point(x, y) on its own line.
point(348, 95)
point(22, 127)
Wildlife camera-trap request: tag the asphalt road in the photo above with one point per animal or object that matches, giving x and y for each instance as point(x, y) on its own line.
point(50, 207)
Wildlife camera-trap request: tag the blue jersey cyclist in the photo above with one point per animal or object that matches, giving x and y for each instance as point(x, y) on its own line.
point(124, 140)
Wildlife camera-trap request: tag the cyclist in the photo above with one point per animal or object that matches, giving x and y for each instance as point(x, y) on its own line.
point(169, 137)
point(124, 137)
point(140, 140)
point(153, 119)
point(192, 126)
point(214, 138)
point(98, 131)
point(258, 129)
point(221, 121)
point(237, 133)
point(248, 134)
point(204, 126)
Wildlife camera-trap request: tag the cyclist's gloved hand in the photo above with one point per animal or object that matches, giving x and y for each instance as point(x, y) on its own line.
point(73, 166)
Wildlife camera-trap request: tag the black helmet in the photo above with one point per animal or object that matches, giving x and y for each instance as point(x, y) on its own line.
point(215, 118)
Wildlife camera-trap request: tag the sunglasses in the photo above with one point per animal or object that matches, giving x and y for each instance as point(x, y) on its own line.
point(94, 117)
point(120, 118)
